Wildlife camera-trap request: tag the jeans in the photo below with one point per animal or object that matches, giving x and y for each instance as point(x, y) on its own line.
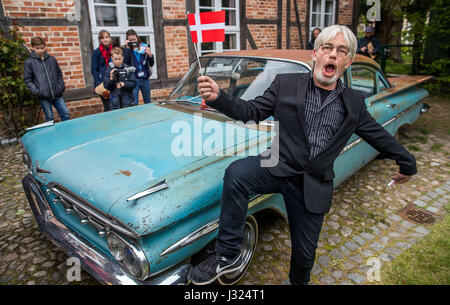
point(60, 107)
point(144, 85)
point(246, 177)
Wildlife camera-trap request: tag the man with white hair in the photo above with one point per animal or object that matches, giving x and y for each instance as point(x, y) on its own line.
point(316, 115)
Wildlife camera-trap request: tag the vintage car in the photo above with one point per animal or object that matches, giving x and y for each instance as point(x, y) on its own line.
point(135, 193)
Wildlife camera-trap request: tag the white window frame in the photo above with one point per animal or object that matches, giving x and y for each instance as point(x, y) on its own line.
point(234, 29)
point(122, 27)
point(322, 13)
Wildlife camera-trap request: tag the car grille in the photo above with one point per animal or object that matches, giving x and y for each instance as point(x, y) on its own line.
point(88, 214)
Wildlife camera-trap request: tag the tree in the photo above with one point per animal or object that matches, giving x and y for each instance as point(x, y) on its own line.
point(18, 106)
point(389, 29)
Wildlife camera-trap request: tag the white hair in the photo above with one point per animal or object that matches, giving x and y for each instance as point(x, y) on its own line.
point(330, 33)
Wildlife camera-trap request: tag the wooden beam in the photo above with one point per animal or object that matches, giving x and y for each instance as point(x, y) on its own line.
point(288, 24)
point(299, 26)
point(280, 24)
point(160, 44)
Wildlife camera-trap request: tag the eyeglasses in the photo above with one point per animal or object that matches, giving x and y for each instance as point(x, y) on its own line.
point(341, 51)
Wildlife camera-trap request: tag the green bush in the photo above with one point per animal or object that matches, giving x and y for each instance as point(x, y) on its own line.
point(20, 108)
point(441, 82)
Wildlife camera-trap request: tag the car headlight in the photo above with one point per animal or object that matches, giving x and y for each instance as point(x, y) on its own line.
point(129, 255)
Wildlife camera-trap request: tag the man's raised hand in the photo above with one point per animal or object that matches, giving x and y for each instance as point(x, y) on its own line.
point(208, 88)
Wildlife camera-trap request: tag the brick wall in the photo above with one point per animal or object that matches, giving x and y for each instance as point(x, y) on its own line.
point(177, 53)
point(37, 9)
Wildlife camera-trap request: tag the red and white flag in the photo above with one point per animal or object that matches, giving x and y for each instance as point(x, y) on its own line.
point(207, 27)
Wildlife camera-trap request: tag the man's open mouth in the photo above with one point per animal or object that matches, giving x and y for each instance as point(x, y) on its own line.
point(329, 69)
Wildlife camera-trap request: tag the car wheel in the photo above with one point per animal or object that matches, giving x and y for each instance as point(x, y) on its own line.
point(250, 239)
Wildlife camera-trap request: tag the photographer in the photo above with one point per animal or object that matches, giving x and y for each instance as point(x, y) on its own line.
point(120, 80)
point(139, 55)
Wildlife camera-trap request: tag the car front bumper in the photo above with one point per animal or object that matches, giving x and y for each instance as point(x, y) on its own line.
point(100, 266)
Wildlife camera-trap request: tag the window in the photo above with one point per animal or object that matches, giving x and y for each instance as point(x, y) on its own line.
point(363, 80)
point(322, 14)
point(118, 16)
point(232, 30)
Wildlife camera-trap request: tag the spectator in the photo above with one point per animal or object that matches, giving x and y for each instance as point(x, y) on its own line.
point(44, 78)
point(139, 56)
point(369, 46)
point(100, 59)
point(314, 35)
point(120, 81)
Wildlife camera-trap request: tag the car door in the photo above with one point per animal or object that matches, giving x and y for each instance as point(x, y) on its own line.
point(371, 83)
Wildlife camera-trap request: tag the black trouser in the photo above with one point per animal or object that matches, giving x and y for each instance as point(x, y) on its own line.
point(106, 104)
point(246, 177)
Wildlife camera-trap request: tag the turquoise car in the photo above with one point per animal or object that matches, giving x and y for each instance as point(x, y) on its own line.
point(134, 194)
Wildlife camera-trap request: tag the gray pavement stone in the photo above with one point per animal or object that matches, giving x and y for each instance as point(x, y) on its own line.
point(394, 218)
point(407, 224)
point(359, 240)
point(432, 209)
point(425, 198)
point(327, 280)
point(403, 245)
point(316, 270)
point(344, 250)
point(352, 246)
point(337, 274)
point(367, 253)
point(357, 278)
point(394, 251)
point(367, 236)
point(324, 261)
point(336, 254)
point(356, 258)
point(377, 246)
point(386, 257)
point(432, 194)
point(420, 203)
point(421, 230)
point(439, 191)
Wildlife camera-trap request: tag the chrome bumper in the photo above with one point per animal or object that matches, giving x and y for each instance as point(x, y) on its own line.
point(97, 264)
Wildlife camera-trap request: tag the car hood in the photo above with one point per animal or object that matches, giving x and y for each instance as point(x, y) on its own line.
point(110, 156)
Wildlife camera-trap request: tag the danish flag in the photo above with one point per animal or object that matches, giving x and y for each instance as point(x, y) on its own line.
point(207, 27)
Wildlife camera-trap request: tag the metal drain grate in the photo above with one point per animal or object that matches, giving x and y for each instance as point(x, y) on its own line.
point(416, 214)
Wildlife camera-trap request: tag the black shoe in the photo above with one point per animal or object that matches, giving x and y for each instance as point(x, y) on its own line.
point(213, 267)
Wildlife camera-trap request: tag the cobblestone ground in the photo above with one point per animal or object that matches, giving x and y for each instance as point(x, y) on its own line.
point(362, 224)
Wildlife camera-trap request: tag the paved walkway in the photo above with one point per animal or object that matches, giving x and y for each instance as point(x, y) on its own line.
point(363, 223)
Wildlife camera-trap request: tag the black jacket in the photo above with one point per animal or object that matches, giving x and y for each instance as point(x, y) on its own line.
point(123, 95)
point(285, 100)
point(44, 77)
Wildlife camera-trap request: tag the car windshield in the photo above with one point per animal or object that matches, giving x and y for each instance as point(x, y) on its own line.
point(241, 77)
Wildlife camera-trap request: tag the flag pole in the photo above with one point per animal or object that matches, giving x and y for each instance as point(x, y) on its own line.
point(195, 48)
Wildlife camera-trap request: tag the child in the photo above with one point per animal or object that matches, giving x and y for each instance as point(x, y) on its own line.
point(120, 81)
point(139, 56)
point(101, 57)
point(44, 78)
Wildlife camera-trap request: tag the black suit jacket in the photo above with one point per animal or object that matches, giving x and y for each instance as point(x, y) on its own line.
point(285, 100)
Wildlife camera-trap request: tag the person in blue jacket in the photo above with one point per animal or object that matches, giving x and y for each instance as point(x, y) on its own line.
point(120, 81)
point(138, 54)
point(100, 59)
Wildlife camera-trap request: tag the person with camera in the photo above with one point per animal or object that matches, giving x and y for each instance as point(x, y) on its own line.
point(120, 81)
point(139, 56)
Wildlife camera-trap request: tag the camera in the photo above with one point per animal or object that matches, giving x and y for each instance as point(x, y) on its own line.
point(133, 44)
point(120, 74)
